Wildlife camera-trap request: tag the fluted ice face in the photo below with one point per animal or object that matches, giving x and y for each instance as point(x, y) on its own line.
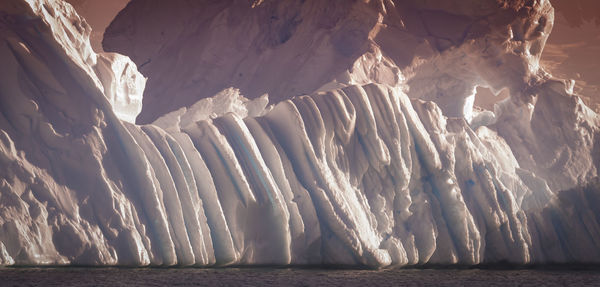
point(356, 173)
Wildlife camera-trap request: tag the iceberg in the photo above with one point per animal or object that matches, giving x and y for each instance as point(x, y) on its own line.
point(366, 165)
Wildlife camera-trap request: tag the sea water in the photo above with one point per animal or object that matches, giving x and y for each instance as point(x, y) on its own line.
point(267, 276)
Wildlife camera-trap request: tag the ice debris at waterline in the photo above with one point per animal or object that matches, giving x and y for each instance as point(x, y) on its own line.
point(355, 175)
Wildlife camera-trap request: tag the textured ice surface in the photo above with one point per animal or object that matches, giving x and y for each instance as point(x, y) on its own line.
point(355, 173)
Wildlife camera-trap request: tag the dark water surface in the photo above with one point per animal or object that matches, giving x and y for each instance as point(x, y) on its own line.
point(293, 277)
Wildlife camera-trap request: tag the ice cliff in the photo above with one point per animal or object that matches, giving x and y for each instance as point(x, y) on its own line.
point(370, 152)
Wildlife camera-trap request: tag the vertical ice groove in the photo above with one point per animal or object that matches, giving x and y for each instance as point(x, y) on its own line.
point(336, 205)
point(227, 158)
point(169, 203)
point(220, 236)
point(263, 184)
point(184, 211)
point(357, 200)
point(306, 236)
point(460, 222)
point(200, 237)
point(150, 194)
point(241, 142)
point(367, 130)
point(233, 190)
point(342, 111)
point(157, 148)
point(272, 160)
point(404, 136)
point(280, 121)
point(389, 131)
point(509, 245)
point(382, 188)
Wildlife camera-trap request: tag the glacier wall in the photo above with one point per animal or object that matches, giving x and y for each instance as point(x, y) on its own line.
point(351, 175)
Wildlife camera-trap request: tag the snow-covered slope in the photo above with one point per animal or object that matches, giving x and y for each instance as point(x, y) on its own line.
point(355, 172)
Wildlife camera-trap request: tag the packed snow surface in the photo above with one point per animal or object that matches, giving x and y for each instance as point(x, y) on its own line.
point(352, 172)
